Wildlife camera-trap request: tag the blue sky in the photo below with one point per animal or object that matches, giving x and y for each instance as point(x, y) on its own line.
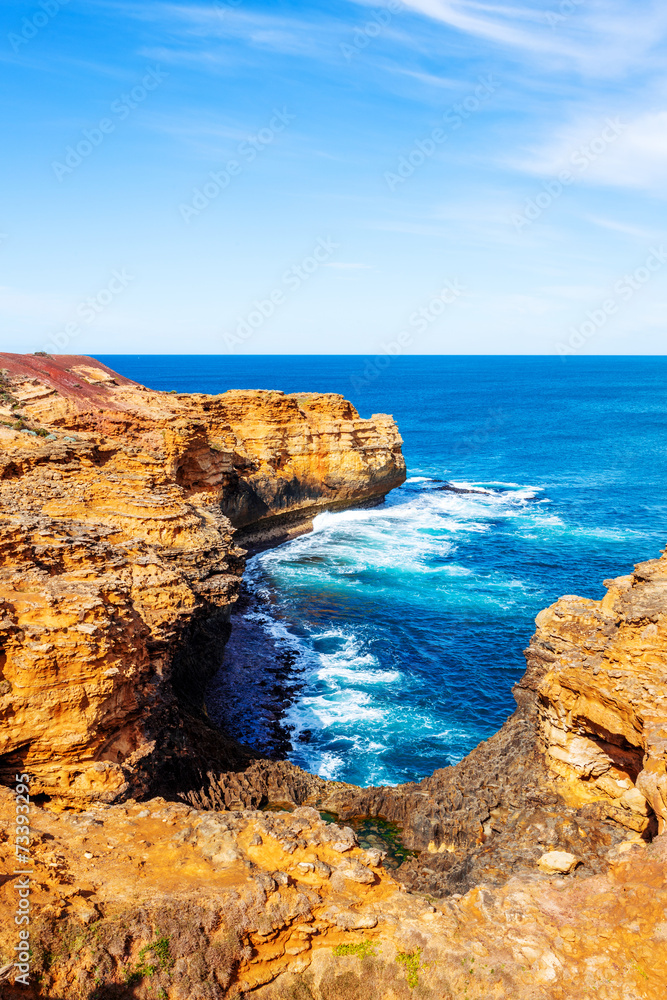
point(346, 177)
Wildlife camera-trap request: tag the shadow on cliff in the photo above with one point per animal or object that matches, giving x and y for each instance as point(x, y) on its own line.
point(189, 749)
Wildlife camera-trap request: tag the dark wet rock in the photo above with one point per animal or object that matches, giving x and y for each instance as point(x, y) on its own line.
point(449, 488)
point(484, 820)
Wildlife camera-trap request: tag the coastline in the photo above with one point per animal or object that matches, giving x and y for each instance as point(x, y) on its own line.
point(127, 604)
point(151, 489)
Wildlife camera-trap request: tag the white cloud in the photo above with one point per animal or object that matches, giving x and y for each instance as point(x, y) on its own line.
point(429, 79)
point(602, 37)
point(261, 30)
point(500, 27)
point(635, 158)
point(638, 232)
point(639, 159)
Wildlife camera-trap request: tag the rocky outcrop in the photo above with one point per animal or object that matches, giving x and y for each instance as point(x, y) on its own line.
point(158, 899)
point(536, 866)
point(596, 687)
point(120, 559)
point(579, 768)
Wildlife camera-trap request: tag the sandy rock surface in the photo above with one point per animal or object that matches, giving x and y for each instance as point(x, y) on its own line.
point(171, 862)
point(122, 514)
point(134, 899)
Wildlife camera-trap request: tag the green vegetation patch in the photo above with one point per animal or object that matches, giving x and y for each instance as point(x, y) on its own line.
point(377, 833)
point(154, 957)
point(362, 949)
point(410, 960)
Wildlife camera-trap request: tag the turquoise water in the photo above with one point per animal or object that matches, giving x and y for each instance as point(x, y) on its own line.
point(405, 623)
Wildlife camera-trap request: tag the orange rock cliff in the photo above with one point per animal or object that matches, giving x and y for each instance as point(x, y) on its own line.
point(123, 514)
point(536, 867)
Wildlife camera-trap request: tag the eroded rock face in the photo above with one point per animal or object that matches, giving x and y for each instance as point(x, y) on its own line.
point(537, 872)
point(597, 678)
point(156, 898)
point(120, 560)
point(579, 768)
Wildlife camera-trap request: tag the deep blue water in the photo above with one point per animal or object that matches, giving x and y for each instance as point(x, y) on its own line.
point(408, 621)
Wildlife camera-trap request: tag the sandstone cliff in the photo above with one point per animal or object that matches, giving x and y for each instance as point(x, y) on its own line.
point(157, 899)
point(123, 510)
point(538, 865)
point(597, 676)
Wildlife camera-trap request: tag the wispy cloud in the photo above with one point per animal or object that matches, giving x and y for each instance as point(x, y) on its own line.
point(626, 229)
point(289, 35)
point(429, 79)
point(559, 81)
point(636, 158)
point(600, 37)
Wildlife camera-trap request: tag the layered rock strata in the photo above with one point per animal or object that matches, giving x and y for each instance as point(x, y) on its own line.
point(579, 767)
point(597, 682)
point(539, 862)
point(120, 558)
point(158, 899)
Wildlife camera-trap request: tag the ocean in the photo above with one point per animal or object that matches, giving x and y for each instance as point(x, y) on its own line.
point(388, 640)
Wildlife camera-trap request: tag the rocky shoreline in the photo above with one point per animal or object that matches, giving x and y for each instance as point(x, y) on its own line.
point(256, 682)
point(123, 511)
point(537, 865)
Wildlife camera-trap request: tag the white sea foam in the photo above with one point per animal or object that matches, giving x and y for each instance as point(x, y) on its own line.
point(327, 765)
point(498, 482)
point(471, 486)
point(412, 537)
point(510, 486)
point(422, 545)
point(341, 708)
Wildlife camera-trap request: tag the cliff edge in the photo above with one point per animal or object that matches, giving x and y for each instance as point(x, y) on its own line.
point(170, 861)
point(124, 510)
